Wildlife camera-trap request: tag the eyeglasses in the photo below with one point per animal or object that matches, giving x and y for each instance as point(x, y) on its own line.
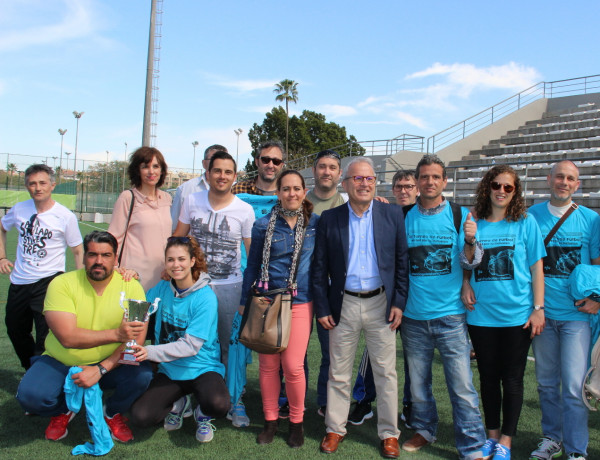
point(267, 160)
point(407, 187)
point(359, 179)
point(507, 188)
point(178, 239)
point(31, 222)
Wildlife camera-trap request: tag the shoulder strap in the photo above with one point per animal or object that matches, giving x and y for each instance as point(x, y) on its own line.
point(456, 214)
point(126, 227)
point(561, 221)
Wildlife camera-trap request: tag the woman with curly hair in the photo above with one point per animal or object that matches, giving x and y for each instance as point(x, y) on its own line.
point(187, 349)
point(143, 229)
point(280, 257)
point(505, 301)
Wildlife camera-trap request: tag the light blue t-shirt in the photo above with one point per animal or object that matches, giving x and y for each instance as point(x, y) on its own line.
point(577, 241)
point(502, 282)
point(435, 274)
point(196, 315)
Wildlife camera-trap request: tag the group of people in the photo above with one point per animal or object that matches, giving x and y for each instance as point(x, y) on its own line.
point(491, 281)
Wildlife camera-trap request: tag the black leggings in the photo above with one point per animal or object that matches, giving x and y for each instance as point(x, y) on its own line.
point(153, 406)
point(501, 359)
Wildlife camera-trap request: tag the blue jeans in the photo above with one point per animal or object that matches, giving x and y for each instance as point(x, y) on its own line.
point(449, 335)
point(323, 335)
point(561, 359)
point(41, 389)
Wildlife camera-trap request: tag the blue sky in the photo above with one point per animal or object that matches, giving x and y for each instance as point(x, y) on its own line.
point(380, 68)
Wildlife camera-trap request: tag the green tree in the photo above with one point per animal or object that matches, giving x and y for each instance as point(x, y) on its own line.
point(287, 90)
point(308, 134)
point(12, 169)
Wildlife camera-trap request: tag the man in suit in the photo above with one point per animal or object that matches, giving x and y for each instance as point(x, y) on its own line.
point(363, 288)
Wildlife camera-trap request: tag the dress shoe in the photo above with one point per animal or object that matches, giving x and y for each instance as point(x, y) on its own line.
point(415, 443)
point(330, 442)
point(390, 448)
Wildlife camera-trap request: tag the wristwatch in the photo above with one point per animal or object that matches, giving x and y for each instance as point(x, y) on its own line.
point(103, 370)
point(538, 307)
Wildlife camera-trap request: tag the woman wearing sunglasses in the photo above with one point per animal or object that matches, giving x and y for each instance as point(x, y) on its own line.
point(187, 347)
point(280, 257)
point(505, 303)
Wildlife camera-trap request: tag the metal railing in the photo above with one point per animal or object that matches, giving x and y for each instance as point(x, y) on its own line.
point(559, 88)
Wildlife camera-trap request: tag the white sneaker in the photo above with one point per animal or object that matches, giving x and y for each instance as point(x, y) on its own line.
point(547, 448)
point(206, 430)
point(238, 416)
point(181, 408)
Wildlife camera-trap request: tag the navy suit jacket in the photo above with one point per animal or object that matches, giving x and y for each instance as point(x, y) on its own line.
point(330, 260)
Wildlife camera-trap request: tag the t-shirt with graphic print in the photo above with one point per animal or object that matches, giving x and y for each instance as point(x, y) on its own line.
point(219, 234)
point(435, 274)
point(502, 282)
point(577, 241)
point(42, 241)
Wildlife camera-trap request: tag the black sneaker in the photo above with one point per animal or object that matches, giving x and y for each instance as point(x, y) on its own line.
point(361, 412)
point(405, 417)
point(284, 411)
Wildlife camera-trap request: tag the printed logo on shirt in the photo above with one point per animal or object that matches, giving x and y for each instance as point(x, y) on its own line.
point(171, 328)
point(220, 249)
point(34, 239)
point(497, 264)
point(560, 261)
point(430, 260)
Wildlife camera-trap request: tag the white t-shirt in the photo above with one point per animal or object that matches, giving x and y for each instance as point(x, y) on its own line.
point(43, 240)
point(219, 234)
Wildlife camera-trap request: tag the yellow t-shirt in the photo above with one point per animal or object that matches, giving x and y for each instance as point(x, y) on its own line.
point(73, 293)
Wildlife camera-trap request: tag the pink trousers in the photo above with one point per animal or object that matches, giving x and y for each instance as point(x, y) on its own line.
point(292, 361)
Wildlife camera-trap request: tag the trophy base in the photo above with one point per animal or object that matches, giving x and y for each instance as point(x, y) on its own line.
point(128, 358)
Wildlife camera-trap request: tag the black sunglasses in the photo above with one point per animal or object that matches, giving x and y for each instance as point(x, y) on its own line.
point(507, 188)
point(267, 160)
point(328, 153)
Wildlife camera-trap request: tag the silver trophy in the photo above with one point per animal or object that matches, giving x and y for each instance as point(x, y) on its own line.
point(135, 310)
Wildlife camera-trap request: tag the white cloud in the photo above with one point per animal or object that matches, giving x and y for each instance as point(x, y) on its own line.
point(242, 86)
point(336, 111)
point(34, 30)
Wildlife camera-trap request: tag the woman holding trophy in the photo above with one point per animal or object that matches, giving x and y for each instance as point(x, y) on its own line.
point(187, 348)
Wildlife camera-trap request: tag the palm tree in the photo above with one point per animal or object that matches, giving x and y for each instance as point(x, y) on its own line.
point(287, 90)
point(12, 169)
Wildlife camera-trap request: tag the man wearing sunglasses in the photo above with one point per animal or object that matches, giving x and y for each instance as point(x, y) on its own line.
point(269, 164)
point(561, 351)
point(46, 228)
point(196, 184)
point(360, 284)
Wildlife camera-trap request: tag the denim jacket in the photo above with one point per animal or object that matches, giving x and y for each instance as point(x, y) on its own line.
point(280, 262)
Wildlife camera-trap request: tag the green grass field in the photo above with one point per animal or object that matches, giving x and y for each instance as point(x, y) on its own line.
point(22, 437)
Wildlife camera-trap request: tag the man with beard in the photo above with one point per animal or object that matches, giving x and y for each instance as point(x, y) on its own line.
point(87, 329)
point(269, 164)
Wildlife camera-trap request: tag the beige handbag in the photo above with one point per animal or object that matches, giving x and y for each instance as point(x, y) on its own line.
point(267, 321)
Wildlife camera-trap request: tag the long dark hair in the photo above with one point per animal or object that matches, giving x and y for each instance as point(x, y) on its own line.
point(307, 206)
point(193, 249)
point(483, 202)
point(141, 156)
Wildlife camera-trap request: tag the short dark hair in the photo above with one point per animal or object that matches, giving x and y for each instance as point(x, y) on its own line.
point(430, 159)
point(403, 174)
point(37, 168)
point(328, 153)
point(221, 155)
point(217, 147)
point(141, 156)
point(99, 237)
point(269, 144)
